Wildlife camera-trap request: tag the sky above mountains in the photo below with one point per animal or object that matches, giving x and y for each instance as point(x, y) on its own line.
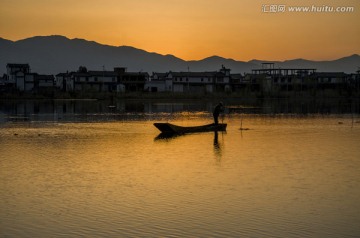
point(192, 30)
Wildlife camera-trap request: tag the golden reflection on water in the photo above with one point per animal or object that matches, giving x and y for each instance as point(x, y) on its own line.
point(218, 145)
point(285, 177)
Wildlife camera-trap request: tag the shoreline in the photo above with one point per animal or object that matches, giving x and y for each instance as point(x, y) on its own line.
point(324, 95)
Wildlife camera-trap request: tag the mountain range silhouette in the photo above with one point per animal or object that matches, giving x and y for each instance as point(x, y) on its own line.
point(56, 54)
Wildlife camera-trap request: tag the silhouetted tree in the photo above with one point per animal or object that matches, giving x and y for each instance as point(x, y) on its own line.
point(82, 69)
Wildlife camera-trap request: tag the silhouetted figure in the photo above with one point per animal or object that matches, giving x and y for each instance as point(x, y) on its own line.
point(217, 110)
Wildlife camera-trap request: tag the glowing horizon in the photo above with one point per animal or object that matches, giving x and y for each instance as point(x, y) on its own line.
point(241, 31)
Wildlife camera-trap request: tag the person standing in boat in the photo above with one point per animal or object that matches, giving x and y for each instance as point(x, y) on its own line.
point(217, 110)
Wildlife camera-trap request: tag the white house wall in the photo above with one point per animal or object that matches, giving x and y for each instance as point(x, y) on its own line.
point(29, 82)
point(69, 84)
point(120, 88)
point(209, 88)
point(59, 82)
point(178, 88)
point(46, 83)
point(159, 85)
point(168, 85)
point(104, 79)
point(81, 79)
point(224, 80)
point(193, 79)
point(29, 86)
point(20, 81)
point(12, 78)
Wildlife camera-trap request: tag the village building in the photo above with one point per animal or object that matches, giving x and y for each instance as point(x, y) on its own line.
point(271, 79)
point(117, 80)
point(64, 82)
point(33, 82)
point(355, 81)
point(3, 83)
point(330, 80)
point(158, 83)
point(14, 69)
point(96, 81)
point(44, 83)
point(16, 74)
point(266, 81)
point(190, 82)
point(21, 79)
point(239, 83)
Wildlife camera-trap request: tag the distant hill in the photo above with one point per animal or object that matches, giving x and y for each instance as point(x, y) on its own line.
point(55, 54)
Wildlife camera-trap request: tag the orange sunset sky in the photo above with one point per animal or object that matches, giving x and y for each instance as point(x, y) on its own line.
point(193, 29)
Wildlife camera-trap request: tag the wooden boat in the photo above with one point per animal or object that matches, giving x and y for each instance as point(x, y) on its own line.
point(171, 128)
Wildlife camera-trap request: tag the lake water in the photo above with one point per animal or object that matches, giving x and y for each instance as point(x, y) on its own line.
point(76, 171)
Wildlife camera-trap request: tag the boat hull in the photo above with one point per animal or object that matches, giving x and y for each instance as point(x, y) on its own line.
point(171, 128)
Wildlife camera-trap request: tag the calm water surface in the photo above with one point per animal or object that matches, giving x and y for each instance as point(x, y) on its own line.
point(287, 176)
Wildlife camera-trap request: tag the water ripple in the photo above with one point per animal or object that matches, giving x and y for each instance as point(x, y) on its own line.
point(112, 179)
